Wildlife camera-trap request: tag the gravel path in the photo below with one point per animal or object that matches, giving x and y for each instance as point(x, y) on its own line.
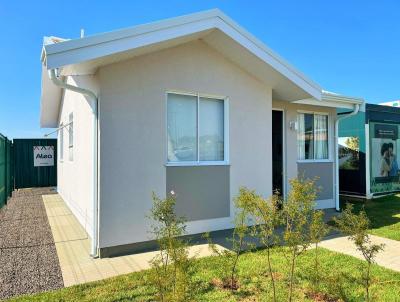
point(28, 256)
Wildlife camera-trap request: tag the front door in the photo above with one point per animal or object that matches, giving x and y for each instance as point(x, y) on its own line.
point(277, 151)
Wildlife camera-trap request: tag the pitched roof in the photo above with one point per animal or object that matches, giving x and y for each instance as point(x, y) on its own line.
point(86, 55)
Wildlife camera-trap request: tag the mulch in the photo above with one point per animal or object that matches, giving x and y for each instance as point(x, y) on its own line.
point(28, 256)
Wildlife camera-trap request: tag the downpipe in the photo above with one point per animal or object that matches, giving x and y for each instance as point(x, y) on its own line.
point(55, 79)
point(340, 118)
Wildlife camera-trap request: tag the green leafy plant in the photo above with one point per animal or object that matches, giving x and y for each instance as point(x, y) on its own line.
point(267, 218)
point(356, 226)
point(171, 267)
point(297, 212)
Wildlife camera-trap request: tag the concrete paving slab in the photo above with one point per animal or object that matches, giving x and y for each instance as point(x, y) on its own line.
point(389, 257)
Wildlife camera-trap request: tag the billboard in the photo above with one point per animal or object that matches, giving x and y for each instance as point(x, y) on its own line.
point(384, 145)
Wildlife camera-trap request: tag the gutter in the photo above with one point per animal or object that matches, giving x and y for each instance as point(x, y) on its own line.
point(356, 108)
point(54, 78)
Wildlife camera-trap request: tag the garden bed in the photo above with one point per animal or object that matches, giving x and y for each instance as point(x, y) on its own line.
point(339, 282)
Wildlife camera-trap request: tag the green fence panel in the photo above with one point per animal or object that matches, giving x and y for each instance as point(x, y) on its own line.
point(26, 174)
point(3, 190)
point(9, 168)
point(6, 169)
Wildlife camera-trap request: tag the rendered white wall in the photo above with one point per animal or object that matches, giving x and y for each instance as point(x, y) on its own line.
point(75, 177)
point(133, 133)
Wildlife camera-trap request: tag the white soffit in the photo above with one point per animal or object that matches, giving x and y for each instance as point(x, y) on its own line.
point(49, 102)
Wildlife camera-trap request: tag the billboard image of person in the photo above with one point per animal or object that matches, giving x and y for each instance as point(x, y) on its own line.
point(383, 160)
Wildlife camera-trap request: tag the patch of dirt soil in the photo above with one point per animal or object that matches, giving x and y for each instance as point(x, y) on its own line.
point(321, 297)
point(225, 284)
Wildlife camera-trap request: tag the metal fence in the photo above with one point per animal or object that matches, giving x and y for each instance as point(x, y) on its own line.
point(29, 174)
point(6, 169)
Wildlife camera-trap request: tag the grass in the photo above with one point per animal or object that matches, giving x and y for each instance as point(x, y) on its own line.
point(384, 214)
point(339, 282)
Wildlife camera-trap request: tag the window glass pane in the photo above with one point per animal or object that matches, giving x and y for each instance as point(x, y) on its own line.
point(349, 152)
point(321, 136)
point(305, 136)
point(211, 129)
point(182, 128)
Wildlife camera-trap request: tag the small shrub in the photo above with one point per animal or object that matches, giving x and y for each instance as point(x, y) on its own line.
point(267, 219)
point(297, 211)
point(318, 230)
point(230, 258)
point(171, 267)
point(356, 226)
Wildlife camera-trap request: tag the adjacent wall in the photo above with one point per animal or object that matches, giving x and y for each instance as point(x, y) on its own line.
point(75, 177)
point(133, 134)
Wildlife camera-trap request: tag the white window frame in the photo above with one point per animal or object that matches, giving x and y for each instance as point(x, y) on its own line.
point(327, 160)
point(61, 147)
point(225, 162)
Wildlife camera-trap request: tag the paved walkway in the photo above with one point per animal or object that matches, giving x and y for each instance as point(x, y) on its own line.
point(389, 257)
point(28, 257)
point(73, 249)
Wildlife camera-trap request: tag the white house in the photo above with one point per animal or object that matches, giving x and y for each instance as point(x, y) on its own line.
point(194, 104)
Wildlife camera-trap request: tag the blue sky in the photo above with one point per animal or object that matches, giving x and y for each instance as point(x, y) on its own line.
point(350, 47)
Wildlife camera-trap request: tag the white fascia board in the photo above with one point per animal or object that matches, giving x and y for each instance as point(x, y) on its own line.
point(91, 52)
point(89, 48)
point(264, 50)
point(269, 57)
point(131, 31)
point(332, 97)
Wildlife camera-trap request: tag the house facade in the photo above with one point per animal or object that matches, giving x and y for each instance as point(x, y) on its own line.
point(194, 105)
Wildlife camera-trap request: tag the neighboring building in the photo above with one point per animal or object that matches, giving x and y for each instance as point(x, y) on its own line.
point(193, 104)
point(392, 104)
point(368, 146)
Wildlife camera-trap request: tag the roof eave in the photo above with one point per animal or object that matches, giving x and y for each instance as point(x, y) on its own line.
point(92, 47)
point(329, 96)
point(333, 100)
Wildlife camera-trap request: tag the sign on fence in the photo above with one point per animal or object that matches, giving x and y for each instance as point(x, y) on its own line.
point(43, 156)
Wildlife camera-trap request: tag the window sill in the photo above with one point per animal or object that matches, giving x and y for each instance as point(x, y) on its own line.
point(197, 164)
point(311, 161)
